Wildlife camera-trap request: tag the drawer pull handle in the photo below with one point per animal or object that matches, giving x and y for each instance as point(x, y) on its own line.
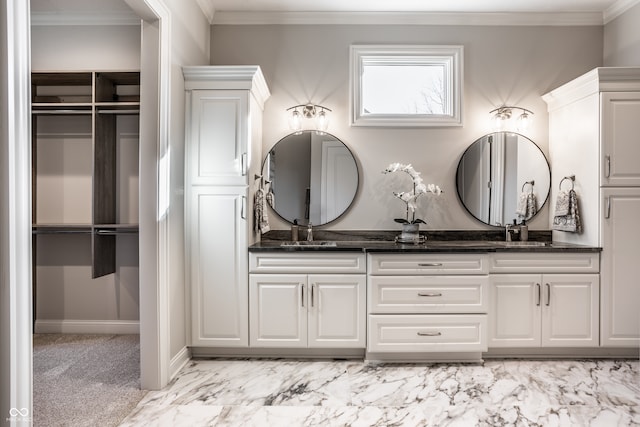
point(539, 298)
point(430, 264)
point(429, 294)
point(429, 334)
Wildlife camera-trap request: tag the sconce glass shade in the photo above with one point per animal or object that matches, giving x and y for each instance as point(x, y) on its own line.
point(322, 122)
point(308, 111)
point(501, 119)
point(295, 121)
point(524, 121)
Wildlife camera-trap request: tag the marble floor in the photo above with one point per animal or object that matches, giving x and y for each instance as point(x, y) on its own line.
point(352, 393)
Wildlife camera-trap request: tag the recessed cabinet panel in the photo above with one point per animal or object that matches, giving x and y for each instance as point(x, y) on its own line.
point(219, 309)
point(337, 311)
point(220, 141)
point(570, 307)
point(620, 280)
point(514, 316)
point(278, 311)
point(427, 333)
point(429, 294)
point(620, 129)
point(427, 264)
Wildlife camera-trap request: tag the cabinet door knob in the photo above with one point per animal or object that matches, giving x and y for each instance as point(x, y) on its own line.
point(429, 334)
point(429, 294)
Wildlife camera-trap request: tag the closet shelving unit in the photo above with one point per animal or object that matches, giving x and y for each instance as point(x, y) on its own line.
point(87, 105)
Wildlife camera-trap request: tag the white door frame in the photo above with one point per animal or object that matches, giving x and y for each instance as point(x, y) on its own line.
point(155, 69)
point(16, 328)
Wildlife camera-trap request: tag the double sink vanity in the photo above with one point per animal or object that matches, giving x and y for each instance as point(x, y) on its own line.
point(457, 296)
point(444, 300)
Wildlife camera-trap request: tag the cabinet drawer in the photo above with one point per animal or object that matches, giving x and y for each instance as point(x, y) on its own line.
point(428, 294)
point(425, 264)
point(552, 262)
point(307, 263)
point(427, 333)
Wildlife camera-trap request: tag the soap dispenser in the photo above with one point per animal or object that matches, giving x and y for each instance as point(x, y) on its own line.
point(294, 231)
point(524, 231)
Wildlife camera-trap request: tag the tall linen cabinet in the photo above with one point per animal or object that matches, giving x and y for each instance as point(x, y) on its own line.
point(594, 125)
point(223, 129)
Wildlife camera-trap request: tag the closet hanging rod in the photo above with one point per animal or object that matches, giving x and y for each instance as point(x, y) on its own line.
point(119, 112)
point(62, 112)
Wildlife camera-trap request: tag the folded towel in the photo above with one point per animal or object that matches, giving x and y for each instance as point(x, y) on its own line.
point(567, 216)
point(527, 206)
point(261, 219)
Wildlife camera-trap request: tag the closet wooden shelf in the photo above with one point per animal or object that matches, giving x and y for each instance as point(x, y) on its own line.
point(102, 97)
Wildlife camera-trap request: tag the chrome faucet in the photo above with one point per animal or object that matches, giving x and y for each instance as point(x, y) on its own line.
point(309, 232)
point(510, 230)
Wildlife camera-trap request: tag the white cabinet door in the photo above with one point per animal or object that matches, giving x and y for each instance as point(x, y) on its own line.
point(217, 256)
point(620, 271)
point(217, 137)
point(514, 314)
point(570, 310)
point(278, 307)
point(619, 135)
point(337, 310)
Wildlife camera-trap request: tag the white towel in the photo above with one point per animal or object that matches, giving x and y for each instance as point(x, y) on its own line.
point(567, 216)
point(527, 206)
point(261, 219)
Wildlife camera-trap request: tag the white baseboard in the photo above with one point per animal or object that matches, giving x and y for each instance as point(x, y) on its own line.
point(178, 361)
point(87, 327)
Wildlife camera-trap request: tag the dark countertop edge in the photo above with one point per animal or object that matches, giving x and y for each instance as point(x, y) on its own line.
point(439, 247)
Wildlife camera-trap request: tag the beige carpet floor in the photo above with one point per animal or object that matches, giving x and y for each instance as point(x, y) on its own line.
point(85, 380)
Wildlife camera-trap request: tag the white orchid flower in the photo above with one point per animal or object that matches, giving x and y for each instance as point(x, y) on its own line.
point(419, 187)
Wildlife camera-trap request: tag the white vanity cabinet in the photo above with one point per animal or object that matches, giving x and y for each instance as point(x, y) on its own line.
point(544, 299)
point(427, 303)
point(308, 300)
point(222, 152)
point(593, 134)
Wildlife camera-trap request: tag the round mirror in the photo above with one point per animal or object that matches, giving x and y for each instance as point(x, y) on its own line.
point(313, 178)
point(503, 177)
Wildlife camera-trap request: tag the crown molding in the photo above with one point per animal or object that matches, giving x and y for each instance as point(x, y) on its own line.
point(617, 9)
point(406, 18)
point(83, 18)
point(207, 8)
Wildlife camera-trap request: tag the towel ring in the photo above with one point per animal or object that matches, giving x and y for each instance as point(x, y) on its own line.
point(532, 182)
point(570, 177)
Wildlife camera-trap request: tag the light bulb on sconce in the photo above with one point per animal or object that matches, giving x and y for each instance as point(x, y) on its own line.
point(309, 111)
point(501, 118)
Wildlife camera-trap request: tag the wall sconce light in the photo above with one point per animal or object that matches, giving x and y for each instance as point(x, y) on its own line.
point(309, 111)
point(501, 117)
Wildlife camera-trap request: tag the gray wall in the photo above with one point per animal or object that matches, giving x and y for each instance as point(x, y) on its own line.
point(502, 65)
point(622, 39)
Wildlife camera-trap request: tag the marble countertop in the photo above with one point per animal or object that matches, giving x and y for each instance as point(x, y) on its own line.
point(441, 241)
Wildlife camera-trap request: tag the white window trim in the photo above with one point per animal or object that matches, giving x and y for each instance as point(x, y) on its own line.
point(450, 55)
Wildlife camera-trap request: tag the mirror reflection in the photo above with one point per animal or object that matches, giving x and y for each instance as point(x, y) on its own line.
point(503, 177)
point(313, 177)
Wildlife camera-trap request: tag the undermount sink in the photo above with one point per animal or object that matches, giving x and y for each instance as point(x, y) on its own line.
point(306, 243)
point(520, 243)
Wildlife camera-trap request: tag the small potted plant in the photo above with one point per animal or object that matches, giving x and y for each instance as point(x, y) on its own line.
point(411, 224)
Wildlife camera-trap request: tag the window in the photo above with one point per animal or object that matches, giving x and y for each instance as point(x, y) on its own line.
point(410, 86)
